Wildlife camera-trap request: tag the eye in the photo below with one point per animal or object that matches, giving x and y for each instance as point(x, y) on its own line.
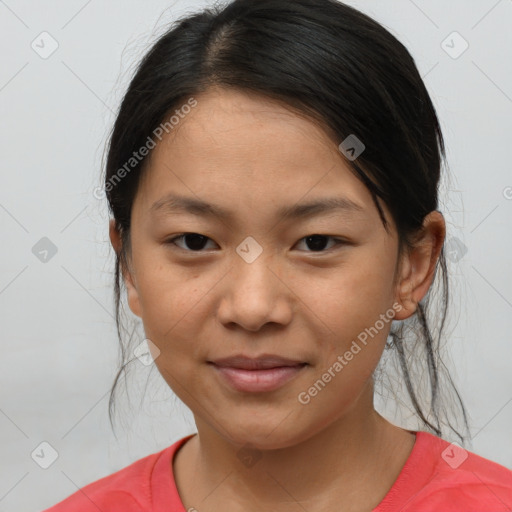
point(317, 242)
point(195, 241)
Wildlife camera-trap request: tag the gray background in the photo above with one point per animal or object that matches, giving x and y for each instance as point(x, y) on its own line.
point(59, 345)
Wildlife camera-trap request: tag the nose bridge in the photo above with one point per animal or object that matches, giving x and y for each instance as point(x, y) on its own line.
point(250, 250)
point(252, 273)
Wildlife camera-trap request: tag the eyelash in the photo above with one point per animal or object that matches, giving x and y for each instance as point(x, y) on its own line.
point(338, 241)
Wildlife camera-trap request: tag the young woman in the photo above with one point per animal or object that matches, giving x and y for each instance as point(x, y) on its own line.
point(272, 176)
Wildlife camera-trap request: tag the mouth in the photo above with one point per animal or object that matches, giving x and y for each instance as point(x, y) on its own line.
point(262, 374)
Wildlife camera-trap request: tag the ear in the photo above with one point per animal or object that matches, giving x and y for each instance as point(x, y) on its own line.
point(128, 278)
point(418, 264)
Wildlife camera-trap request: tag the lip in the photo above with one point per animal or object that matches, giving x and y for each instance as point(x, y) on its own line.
point(261, 374)
point(262, 362)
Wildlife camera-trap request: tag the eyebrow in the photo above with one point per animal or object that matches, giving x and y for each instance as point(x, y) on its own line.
point(173, 203)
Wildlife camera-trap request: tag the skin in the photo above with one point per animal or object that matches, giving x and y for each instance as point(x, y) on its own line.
point(252, 155)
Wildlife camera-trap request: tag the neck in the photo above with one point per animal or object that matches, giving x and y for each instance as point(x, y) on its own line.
point(356, 459)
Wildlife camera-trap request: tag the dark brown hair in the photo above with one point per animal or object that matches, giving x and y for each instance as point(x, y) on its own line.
point(338, 66)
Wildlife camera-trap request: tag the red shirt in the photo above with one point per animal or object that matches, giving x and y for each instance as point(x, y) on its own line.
point(437, 477)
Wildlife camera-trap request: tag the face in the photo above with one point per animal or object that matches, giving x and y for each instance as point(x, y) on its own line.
point(254, 281)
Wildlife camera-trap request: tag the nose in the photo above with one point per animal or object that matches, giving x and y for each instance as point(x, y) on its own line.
point(254, 295)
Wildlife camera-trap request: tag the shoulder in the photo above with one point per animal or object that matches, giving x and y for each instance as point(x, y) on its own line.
point(464, 480)
point(128, 490)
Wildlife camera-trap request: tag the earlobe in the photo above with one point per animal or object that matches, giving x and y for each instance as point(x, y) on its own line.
point(131, 288)
point(419, 264)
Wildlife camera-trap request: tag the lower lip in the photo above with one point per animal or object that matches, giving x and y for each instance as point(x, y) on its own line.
point(254, 381)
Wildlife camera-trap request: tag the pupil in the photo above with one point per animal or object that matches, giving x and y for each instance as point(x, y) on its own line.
point(314, 239)
point(197, 242)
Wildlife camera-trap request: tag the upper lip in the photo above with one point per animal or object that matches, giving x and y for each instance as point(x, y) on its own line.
point(262, 362)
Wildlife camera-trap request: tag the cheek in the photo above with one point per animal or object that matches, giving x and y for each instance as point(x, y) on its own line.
point(348, 356)
point(171, 299)
point(359, 292)
point(352, 305)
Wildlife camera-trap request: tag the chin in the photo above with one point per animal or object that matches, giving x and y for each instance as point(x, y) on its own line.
point(265, 436)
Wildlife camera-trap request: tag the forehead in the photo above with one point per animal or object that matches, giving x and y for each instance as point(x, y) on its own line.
point(229, 122)
point(239, 148)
